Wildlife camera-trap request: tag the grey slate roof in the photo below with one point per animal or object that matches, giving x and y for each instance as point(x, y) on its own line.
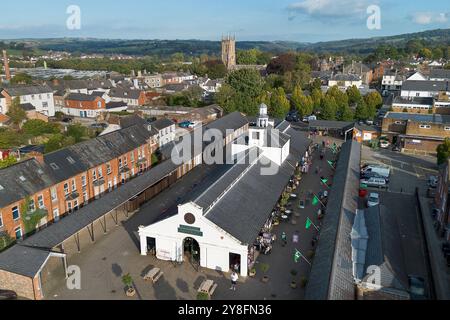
point(330, 125)
point(384, 248)
point(35, 178)
point(25, 90)
point(59, 232)
point(244, 210)
point(416, 117)
point(27, 107)
point(132, 120)
point(345, 77)
point(162, 124)
point(23, 260)
point(331, 276)
point(440, 74)
point(125, 93)
point(81, 97)
point(426, 85)
point(115, 104)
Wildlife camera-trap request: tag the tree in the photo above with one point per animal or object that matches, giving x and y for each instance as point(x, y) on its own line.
point(317, 97)
point(283, 63)
point(374, 101)
point(16, 113)
point(247, 57)
point(425, 53)
point(10, 138)
point(279, 104)
point(22, 78)
point(345, 113)
point(443, 152)
point(361, 112)
point(354, 95)
point(303, 104)
point(77, 131)
point(9, 161)
point(37, 128)
point(215, 69)
point(328, 108)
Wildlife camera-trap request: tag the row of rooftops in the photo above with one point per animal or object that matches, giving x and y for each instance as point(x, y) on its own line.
point(29, 177)
point(419, 118)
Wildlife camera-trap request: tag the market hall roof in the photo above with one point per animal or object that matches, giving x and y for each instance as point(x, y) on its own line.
point(331, 276)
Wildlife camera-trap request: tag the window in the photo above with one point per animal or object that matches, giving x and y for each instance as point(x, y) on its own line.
point(120, 163)
point(447, 128)
point(15, 213)
point(18, 232)
point(41, 204)
point(1, 220)
point(66, 188)
point(54, 194)
point(74, 185)
point(69, 207)
point(132, 157)
point(94, 175)
point(125, 160)
point(85, 197)
point(83, 181)
point(425, 126)
point(32, 206)
point(108, 168)
point(44, 105)
point(100, 172)
point(75, 205)
point(398, 122)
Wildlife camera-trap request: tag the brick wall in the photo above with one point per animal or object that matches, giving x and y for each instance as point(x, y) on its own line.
point(22, 285)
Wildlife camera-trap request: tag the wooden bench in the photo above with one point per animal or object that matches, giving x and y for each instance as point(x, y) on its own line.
point(154, 275)
point(208, 287)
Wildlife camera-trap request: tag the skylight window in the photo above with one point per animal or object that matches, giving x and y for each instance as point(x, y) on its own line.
point(70, 159)
point(1, 187)
point(22, 178)
point(54, 166)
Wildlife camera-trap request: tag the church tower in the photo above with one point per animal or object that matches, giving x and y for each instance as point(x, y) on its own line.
point(229, 51)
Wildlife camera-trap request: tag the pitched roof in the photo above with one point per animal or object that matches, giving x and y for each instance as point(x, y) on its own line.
point(331, 276)
point(25, 90)
point(4, 118)
point(23, 179)
point(162, 123)
point(329, 124)
point(116, 104)
point(440, 74)
point(23, 260)
point(425, 85)
point(27, 106)
point(81, 97)
point(125, 93)
point(414, 100)
point(384, 248)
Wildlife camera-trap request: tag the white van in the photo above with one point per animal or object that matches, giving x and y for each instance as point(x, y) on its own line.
point(382, 171)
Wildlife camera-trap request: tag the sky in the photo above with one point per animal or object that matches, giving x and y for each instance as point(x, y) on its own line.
point(268, 20)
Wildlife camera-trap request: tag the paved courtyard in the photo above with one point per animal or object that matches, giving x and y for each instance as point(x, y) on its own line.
point(104, 263)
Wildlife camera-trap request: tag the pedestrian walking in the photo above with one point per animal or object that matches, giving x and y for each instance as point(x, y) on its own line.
point(284, 238)
point(234, 280)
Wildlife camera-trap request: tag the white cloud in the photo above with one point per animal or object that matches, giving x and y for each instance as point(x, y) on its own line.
point(425, 18)
point(329, 8)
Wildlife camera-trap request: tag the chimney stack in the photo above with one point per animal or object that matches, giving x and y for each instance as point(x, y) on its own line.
point(39, 157)
point(6, 63)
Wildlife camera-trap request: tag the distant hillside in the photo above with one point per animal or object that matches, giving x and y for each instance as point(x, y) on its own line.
point(198, 47)
point(157, 47)
point(366, 46)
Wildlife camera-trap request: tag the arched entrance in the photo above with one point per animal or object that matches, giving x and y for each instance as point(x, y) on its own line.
point(191, 252)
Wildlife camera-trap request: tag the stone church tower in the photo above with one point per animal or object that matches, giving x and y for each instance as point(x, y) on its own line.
point(229, 51)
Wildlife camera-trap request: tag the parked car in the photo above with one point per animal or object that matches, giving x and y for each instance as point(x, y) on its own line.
point(384, 144)
point(99, 126)
point(417, 288)
point(375, 182)
point(381, 170)
point(374, 200)
point(368, 175)
point(8, 295)
point(396, 148)
point(186, 124)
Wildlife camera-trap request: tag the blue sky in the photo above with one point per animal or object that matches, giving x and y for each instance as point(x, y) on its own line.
point(302, 20)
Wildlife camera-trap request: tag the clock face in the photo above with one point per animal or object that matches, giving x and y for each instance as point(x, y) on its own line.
point(189, 218)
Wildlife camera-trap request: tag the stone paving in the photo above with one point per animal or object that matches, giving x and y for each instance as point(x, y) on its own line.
point(104, 263)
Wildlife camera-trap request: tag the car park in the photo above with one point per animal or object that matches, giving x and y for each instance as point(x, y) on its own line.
point(373, 200)
point(375, 182)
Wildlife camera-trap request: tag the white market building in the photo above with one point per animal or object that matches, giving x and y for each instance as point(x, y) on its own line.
point(218, 225)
